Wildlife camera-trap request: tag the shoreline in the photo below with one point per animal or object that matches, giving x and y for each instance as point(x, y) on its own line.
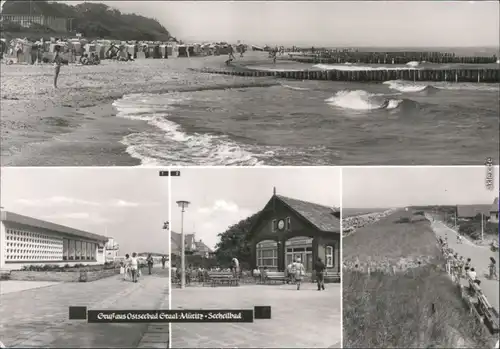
point(76, 125)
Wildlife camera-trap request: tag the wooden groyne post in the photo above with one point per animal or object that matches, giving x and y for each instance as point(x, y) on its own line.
point(376, 75)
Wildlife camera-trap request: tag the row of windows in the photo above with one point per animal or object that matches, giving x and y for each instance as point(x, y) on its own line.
point(77, 250)
point(269, 257)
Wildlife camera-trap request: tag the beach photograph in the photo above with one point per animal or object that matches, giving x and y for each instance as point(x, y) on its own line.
point(257, 237)
point(82, 237)
point(143, 83)
point(420, 257)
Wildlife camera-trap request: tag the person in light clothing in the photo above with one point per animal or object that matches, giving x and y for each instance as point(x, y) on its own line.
point(299, 272)
point(126, 265)
point(236, 267)
point(134, 267)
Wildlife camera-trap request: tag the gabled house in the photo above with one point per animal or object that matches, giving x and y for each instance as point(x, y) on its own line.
point(288, 228)
point(494, 211)
point(192, 246)
point(466, 212)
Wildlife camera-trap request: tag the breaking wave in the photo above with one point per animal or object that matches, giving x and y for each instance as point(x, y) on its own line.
point(168, 144)
point(412, 87)
point(362, 100)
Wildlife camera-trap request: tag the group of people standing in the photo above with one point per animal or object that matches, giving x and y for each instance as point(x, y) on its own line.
point(131, 266)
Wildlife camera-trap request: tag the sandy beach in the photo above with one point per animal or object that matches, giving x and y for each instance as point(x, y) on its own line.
point(75, 125)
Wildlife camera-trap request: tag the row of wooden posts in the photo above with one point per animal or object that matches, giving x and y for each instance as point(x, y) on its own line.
point(444, 75)
point(325, 56)
point(392, 60)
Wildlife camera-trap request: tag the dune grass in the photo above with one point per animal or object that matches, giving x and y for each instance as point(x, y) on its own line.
point(414, 308)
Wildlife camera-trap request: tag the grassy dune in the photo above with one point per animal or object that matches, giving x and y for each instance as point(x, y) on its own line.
point(418, 307)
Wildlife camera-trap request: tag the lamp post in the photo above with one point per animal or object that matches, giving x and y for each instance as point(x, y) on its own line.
point(183, 205)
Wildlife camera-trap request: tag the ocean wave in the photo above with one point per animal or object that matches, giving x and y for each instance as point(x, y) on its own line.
point(409, 87)
point(349, 67)
point(406, 86)
point(170, 145)
point(296, 88)
point(362, 100)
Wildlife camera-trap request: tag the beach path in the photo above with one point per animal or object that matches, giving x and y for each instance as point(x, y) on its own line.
point(38, 317)
point(480, 259)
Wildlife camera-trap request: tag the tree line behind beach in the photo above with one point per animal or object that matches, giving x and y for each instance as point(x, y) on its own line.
point(92, 20)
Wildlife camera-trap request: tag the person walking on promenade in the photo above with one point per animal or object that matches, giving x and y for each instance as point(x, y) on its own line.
point(126, 264)
point(320, 267)
point(150, 262)
point(290, 274)
point(163, 261)
point(299, 272)
point(493, 269)
point(134, 267)
point(235, 265)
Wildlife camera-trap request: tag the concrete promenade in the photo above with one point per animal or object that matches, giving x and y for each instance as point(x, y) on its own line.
point(299, 319)
point(480, 260)
point(38, 317)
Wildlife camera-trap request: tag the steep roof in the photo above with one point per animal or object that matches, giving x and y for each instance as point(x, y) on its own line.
point(469, 211)
point(494, 206)
point(189, 241)
point(322, 217)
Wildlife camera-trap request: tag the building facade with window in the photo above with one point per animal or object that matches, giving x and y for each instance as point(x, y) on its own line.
point(288, 228)
point(26, 241)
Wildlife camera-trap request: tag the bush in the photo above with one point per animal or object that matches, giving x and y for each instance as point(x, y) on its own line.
point(403, 220)
point(473, 228)
point(67, 268)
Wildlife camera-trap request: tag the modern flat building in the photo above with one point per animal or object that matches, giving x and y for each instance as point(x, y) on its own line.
point(288, 228)
point(27, 241)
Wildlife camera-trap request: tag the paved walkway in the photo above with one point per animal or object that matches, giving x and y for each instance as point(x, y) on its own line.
point(10, 286)
point(480, 259)
point(299, 319)
point(39, 317)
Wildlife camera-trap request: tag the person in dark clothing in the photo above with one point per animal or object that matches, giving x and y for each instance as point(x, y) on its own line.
point(320, 267)
point(150, 262)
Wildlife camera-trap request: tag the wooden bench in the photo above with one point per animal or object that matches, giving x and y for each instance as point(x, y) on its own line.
point(332, 276)
point(275, 276)
point(222, 278)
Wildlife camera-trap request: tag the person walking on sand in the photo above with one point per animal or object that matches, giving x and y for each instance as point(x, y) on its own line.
point(299, 272)
point(134, 267)
point(163, 260)
point(57, 64)
point(320, 267)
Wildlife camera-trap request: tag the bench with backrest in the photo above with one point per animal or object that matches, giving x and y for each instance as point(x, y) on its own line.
point(332, 276)
point(275, 276)
point(222, 278)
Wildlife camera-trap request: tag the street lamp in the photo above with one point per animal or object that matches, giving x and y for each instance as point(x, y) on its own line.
point(183, 205)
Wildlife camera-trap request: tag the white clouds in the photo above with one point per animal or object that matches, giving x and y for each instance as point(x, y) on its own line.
point(71, 216)
point(62, 201)
point(217, 218)
point(123, 203)
point(220, 206)
point(55, 201)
